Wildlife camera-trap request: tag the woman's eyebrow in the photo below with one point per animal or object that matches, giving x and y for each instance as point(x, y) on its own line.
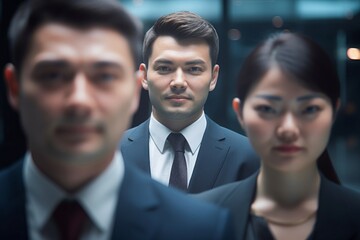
point(308, 97)
point(298, 99)
point(269, 97)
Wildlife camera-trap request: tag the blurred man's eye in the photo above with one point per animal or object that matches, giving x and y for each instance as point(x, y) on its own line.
point(105, 77)
point(52, 77)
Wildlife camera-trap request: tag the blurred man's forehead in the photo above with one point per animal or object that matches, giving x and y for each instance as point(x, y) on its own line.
point(53, 41)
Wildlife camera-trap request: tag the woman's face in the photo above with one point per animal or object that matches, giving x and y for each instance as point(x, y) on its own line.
point(287, 124)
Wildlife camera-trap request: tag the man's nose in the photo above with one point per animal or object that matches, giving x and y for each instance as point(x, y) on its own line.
point(79, 96)
point(179, 80)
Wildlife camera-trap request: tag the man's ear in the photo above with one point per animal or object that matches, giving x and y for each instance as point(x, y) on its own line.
point(236, 104)
point(214, 78)
point(143, 76)
point(12, 84)
point(137, 92)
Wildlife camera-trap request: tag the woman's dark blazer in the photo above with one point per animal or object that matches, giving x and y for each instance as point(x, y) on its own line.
point(338, 216)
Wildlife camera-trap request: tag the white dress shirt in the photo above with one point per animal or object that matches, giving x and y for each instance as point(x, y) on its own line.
point(161, 153)
point(98, 199)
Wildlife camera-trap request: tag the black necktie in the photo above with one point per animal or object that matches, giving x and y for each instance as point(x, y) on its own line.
point(178, 176)
point(70, 219)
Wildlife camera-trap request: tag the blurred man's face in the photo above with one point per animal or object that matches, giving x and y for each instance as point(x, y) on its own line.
point(77, 93)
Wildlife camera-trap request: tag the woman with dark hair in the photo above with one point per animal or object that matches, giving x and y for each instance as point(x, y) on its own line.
point(287, 99)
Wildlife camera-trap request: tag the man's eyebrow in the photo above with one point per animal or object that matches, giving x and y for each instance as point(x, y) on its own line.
point(62, 63)
point(51, 63)
point(163, 61)
point(192, 62)
point(104, 64)
point(195, 62)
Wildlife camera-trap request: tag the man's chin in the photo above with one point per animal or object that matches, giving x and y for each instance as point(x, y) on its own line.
point(79, 155)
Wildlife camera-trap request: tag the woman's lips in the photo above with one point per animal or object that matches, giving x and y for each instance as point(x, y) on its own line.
point(288, 148)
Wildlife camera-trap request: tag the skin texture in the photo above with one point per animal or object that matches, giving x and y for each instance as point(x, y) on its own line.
point(178, 78)
point(76, 94)
point(289, 126)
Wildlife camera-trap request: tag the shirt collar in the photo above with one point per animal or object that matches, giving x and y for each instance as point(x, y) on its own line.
point(42, 194)
point(98, 198)
point(193, 133)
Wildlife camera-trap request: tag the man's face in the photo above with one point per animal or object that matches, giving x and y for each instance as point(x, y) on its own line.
point(179, 77)
point(77, 92)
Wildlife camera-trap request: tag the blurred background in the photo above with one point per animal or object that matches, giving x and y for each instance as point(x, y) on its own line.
point(241, 24)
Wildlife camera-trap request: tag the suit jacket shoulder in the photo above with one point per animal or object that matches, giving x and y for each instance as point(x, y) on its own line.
point(150, 210)
point(224, 156)
point(338, 212)
point(237, 197)
point(135, 132)
point(134, 146)
point(12, 203)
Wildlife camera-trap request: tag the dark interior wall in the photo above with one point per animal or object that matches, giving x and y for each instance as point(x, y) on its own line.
point(12, 141)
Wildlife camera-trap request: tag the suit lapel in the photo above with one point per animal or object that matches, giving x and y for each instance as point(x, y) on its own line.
point(240, 202)
point(13, 204)
point(210, 159)
point(331, 222)
point(136, 213)
point(135, 147)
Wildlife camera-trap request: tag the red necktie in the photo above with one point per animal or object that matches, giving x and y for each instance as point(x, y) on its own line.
point(178, 176)
point(70, 219)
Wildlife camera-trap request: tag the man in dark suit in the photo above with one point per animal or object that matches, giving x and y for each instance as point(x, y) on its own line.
point(73, 82)
point(179, 70)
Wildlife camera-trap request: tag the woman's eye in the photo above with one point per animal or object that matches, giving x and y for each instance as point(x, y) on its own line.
point(311, 110)
point(264, 109)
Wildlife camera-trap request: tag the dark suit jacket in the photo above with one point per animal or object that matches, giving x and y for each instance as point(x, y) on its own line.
point(337, 216)
point(224, 156)
point(145, 210)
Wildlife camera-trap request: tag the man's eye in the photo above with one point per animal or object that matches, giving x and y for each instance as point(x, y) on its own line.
point(105, 77)
point(195, 70)
point(52, 78)
point(163, 69)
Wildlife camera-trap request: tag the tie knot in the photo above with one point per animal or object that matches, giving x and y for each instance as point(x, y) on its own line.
point(177, 141)
point(70, 218)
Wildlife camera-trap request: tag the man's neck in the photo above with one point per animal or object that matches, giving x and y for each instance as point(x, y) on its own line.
point(176, 125)
point(70, 176)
